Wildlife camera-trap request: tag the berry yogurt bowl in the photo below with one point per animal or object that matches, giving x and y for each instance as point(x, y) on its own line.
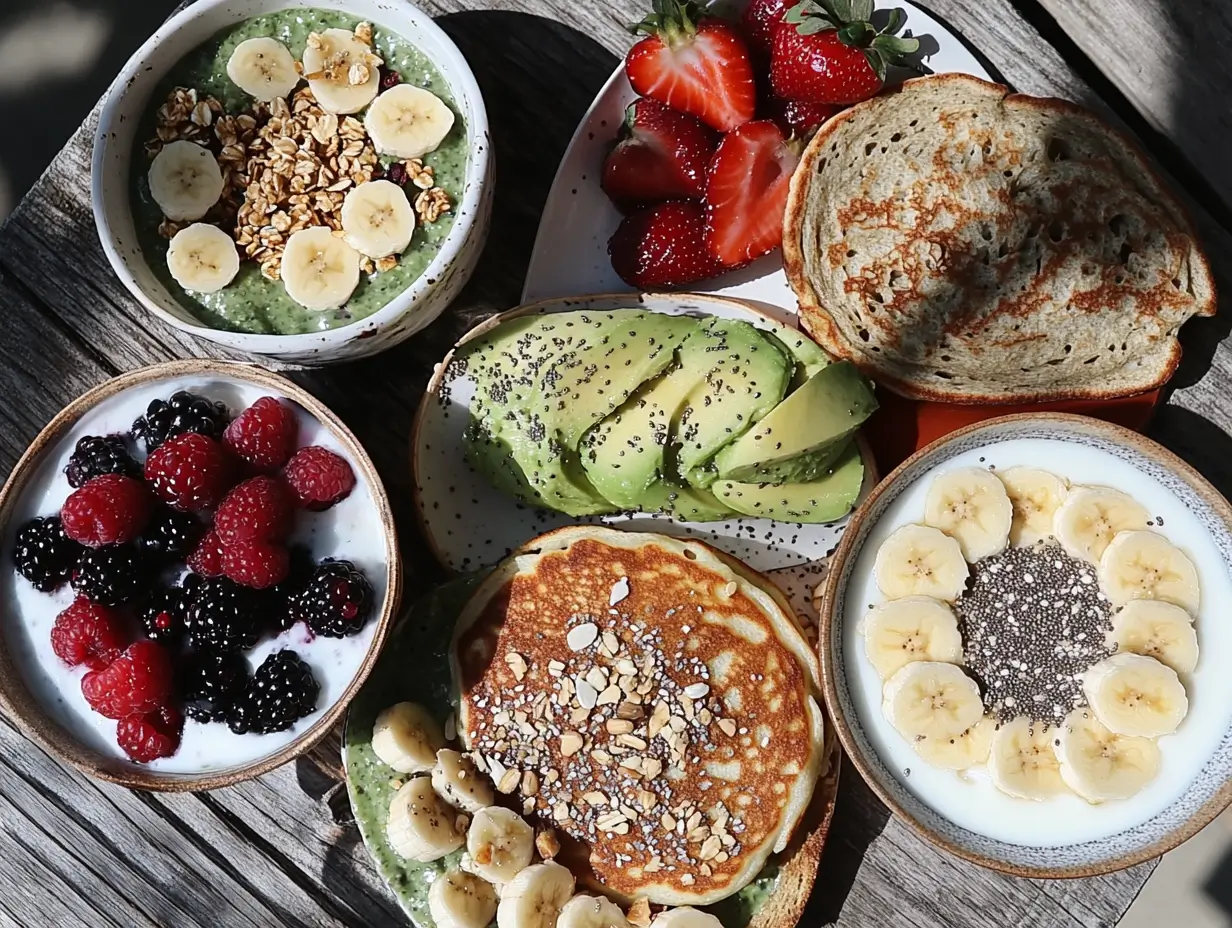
point(198, 567)
point(306, 181)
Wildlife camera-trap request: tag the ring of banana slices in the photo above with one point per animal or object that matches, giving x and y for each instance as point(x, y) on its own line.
point(507, 871)
point(1103, 745)
point(319, 268)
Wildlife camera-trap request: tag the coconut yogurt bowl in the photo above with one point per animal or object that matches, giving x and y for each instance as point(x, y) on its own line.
point(386, 307)
point(44, 695)
point(1056, 833)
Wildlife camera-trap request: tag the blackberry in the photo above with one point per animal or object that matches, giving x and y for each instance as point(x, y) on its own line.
point(163, 617)
point(335, 602)
point(281, 692)
point(211, 683)
point(184, 412)
point(111, 575)
point(171, 536)
point(276, 601)
point(44, 554)
point(223, 616)
point(96, 455)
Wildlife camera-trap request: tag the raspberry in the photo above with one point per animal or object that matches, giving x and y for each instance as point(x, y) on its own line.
point(257, 510)
point(184, 412)
point(336, 602)
point(110, 509)
point(148, 737)
point(255, 564)
point(207, 559)
point(171, 536)
point(319, 478)
point(137, 682)
point(264, 435)
point(89, 634)
point(100, 454)
point(44, 554)
point(189, 472)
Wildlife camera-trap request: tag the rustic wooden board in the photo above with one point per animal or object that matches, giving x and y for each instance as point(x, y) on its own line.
point(281, 850)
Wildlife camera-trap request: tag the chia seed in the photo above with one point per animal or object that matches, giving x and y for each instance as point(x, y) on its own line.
point(1033, 620)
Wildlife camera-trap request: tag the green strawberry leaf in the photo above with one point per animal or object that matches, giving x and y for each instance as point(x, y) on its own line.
point(861, 10)
point(857, 35)
point(876, 62)
point(813, 25)
point(896, 21)
point(895, 47)
point(842, 9)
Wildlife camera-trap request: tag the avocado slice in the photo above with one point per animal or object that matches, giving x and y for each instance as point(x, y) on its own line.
point(689, 503)
point(828, 408)
point(801, 469)
point(826, 499)
point(747, 373)
point(806, 353)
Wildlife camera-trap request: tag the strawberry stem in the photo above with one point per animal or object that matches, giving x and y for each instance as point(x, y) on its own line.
point(673, 21)
point(852, 20)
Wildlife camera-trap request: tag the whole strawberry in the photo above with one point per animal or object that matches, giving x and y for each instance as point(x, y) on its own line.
point(662, 155)
point(827, 51)
point(695, 64)
point(663, 246)
point(759, 20)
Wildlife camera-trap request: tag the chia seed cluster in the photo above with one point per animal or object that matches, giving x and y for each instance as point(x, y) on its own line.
point(1033, 620)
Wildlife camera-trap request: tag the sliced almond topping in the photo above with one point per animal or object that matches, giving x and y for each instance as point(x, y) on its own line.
point(721, 857)
point(570, 743)
point(639, 912)
point(728, 727)
point(619, 726)
point(686, 706)
point(631, 741)
point(658, 718)
point(609, 696)
point(698, 835)
point(626, 667)
point(687, 880)
point(693, 821)
point(705, 870)
point(730, 590)
point(647, 800)
point(556, 668)
point(517, 664)
point(551, 776)
point(597, 677)
point(595, 798)
point(601, 757)
point(633, 762)
point(705, 717)
point(667, 821)
point(560, 811)
point(579, 716)
point(547, 844)
point(611, 644)
point(528, 805)
point(710, 847)
point(651, 767)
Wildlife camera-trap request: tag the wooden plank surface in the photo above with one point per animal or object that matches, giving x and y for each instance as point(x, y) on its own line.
point(280, 850)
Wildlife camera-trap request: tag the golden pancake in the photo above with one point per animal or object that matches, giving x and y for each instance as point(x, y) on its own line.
point(646, 700)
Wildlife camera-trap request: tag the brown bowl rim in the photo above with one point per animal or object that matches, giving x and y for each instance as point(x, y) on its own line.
point(26, 710)
point(828, 622)
point(541, 306)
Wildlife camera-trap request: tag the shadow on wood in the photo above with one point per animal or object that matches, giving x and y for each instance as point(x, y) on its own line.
point(1198, 440)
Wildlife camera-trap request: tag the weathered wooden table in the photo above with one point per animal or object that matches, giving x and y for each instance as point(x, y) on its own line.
point(281, 850)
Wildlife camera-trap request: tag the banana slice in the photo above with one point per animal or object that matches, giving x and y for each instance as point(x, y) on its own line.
point(927, 699)
point(685, 916)
point(1143, 565)
point(1136, 695)
point(203, 258)
point(319, 270)
point(457, 899)
point(971, 506)
point(458, 781)
point(406, 737)
point(918, 560)
point(263, 68)
point(500, 843)
point(584, 911)
point(1022, 761)
point(342, 72)
point(1036, 495)
point(917, 628)
point(378, 219)
point(408, 122)
point(535, 897)
point(1156, 629)
point(185, 180)
point(961, 752)
point(1100, 765)
point(1091, 517)
point(421, 826)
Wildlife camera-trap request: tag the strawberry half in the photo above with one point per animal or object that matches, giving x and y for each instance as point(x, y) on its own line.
point(799, 118)
point(663, 246)
point(696, 65)
point(662, 155)
point(827, 51)
point(746, 194)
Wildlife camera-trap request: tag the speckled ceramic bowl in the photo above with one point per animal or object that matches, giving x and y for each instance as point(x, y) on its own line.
point(405, 314)
point(43, 695)
point(962, 813)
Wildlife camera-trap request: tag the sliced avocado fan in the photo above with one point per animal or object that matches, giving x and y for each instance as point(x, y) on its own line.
point(826, 499)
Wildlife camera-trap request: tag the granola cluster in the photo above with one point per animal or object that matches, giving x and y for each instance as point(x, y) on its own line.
point(288, 166)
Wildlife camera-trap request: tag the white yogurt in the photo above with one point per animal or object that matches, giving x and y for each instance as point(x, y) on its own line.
point(350, 530)
point(969, 799)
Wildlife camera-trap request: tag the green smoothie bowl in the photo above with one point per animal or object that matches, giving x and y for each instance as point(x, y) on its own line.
point(308, 181)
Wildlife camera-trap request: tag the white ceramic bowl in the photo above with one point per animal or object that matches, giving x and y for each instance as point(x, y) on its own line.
point(407, 313)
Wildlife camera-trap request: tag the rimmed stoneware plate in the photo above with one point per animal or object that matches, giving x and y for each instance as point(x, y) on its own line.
point(570, 254)
point(44, 696)
point(471, 525)
point(965, 814)
point(421, 639)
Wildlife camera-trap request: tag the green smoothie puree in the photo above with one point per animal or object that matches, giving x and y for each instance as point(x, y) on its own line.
point(251, 302)
point(414, 667)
